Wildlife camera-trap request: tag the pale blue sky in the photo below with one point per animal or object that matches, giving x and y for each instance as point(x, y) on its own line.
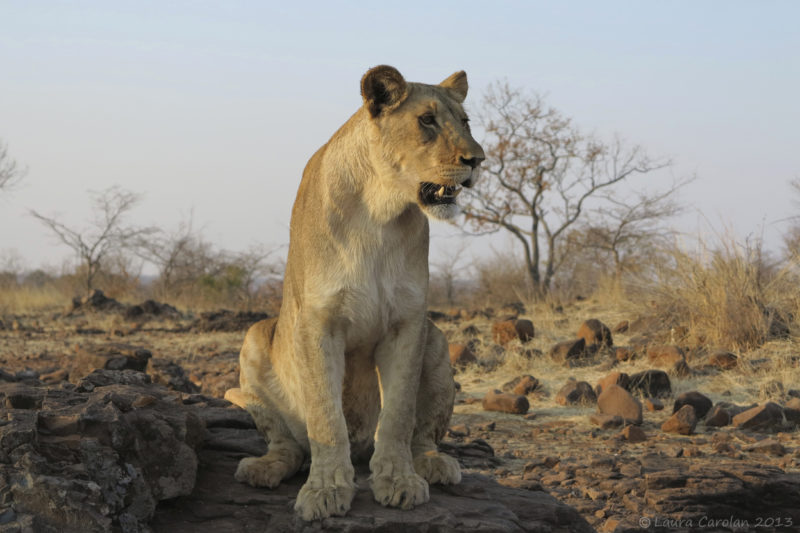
point(216, 106)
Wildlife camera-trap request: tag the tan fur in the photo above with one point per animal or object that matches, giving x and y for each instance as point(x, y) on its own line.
point(352, 364)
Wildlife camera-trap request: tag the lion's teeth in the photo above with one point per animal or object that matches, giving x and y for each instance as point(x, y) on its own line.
point(440, 192)
point(456, 192)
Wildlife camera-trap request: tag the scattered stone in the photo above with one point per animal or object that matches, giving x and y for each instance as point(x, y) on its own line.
point(506, 331)
point(606, 421)
point(766, 416)
point(149, 309)
point(615, 378)
point(496, 400)
point(55, 377)
point(623, 353)
point(723, 360)
point(576, 393)
point(621, 327)
point(652, 383)
point(793, 403)
point(595, 333)
point(458, 431)
point(521, 385)
point(615, 400)
point(682, 421)
point(718, 417)
point(525, 330)
point(225, 320)
point(665, 355)
point(633, 434)
point(768, 447)
point(461, 355)
point(653, 404)
point(700, 402)
point(93, 302)
point(110, 356)
point(171, 375)
point(567, 351)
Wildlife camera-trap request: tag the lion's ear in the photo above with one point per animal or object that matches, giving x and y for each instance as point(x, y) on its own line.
point(457, 83)
point(382, 87)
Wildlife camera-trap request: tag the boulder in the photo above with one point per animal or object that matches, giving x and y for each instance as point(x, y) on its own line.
point(653, 404)
point(700, 402)
point(615, 378)
point(766, 416)
point(576, 393)
point(718, 417)
point(461, 355)
point(614, 400)
point(521, 385)
point(665, 356)
point(98, 460)
point(109, 356)
point(621, 326)
point(506, 331)
point(633, 434)
point(683, 421)
point(595, 333)
point(606, 421)
point(723, 360)
point(567, 351)
point(171, 375)
point(496, 400)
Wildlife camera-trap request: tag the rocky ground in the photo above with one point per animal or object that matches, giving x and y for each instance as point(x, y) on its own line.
point(111, 418)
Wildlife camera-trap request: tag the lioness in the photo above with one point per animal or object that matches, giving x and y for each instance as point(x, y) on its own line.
point(352, 364)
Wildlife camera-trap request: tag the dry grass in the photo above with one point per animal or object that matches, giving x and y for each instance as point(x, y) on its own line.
point(25, 300)
point(728, 296)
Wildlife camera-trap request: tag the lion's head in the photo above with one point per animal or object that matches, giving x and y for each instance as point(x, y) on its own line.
point(423, 137)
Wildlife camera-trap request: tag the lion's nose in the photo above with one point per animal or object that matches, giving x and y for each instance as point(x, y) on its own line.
point(472, 161)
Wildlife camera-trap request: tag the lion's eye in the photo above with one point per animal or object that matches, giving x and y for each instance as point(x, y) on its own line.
point(428, 119)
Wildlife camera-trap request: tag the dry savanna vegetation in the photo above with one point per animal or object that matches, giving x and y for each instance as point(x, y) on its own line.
point(629, 372)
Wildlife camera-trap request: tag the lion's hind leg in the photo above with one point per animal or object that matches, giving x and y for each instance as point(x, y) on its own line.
point(434, 407)
point(284, 456)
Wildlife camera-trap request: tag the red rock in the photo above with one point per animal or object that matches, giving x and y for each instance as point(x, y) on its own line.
point(615, 400)
point(665, 355)
point(524, 328)
point(652, 383)
point(652, 404)
point(621, 327)
point(461, 355)
point(504, 332)
point(615, 378)
point(760, 417)
point(633, 434)
point(682, 422)
point(718, 417)
point(576, 393)
point(568, 350)
point(496, 400)
point(700, 402)
point(606, 421)
point(623, 353)
point(768, 447)
point(521, 385)
point(595, 333)
point(723, 360)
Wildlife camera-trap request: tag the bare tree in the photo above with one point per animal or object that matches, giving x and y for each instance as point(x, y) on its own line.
point(107, 234)
point(627, 229)
point(543, 177)
point(447, 268)
point(10, 172)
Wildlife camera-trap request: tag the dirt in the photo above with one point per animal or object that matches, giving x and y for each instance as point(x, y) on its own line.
point(716, 478)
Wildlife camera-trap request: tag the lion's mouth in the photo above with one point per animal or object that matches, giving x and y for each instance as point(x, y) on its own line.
point(436, 194)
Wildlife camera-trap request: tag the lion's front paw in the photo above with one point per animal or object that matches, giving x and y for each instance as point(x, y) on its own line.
point(263, 471)
point(327, 492)
point(397, 485)
point(437, 467)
